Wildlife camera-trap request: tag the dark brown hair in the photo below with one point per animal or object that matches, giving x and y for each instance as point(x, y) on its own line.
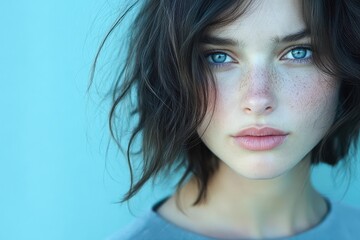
point(335, 31)
point(166, 70)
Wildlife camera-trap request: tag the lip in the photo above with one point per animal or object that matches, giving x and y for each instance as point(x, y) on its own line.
point(260, 139)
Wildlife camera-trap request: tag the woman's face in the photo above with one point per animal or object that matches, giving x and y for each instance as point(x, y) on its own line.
point(273, 105)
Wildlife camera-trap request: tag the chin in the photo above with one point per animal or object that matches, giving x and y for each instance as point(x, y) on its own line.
point(271, 168)
point(262, 169)
point(262, 175)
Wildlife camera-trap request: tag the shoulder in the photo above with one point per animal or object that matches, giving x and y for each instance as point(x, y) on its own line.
point(153, 226)
point(342, 222)
point(141, 228)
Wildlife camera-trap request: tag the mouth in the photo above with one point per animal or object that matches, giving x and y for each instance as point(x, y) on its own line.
point(263, 139)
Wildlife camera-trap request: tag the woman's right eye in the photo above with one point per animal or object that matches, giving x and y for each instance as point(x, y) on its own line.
point(219, 58)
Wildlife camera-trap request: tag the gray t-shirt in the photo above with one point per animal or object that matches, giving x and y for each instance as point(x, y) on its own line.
point(341, 223)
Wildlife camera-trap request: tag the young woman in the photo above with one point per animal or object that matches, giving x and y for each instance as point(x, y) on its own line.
point(243, 97)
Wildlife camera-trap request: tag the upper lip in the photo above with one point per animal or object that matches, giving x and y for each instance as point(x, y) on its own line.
point(257, 132)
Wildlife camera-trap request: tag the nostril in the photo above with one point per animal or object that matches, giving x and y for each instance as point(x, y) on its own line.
point(248, 110)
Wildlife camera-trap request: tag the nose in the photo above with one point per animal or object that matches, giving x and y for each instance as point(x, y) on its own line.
point(259, 92)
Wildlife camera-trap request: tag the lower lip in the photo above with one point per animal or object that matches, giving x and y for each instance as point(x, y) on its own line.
point(260, 143)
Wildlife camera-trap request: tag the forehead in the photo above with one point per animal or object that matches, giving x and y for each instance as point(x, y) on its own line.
point(265, 20)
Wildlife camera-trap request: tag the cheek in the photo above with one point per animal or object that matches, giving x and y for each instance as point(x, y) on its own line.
point(228, 97)
point(221, 102)
point(314, 98)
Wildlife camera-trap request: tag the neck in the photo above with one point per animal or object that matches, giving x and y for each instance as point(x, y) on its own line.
point(275, 207)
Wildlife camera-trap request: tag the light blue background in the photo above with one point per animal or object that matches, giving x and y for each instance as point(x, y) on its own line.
point(54, 180)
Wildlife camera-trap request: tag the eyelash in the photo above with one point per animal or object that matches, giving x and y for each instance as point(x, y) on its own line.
point(304, 60)
point(218, 65)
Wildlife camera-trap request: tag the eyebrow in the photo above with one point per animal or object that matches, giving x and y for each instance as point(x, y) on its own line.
point(213, 40)
point(294, 36)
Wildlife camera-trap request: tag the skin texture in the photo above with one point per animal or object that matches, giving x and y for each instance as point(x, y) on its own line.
point(260, 194)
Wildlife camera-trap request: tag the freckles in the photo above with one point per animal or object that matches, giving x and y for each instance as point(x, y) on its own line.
point(315, 98)
point(301, 91)
point(278, 80)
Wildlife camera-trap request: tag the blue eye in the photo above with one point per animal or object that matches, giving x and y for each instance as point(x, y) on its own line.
point(219, 58)
point(299, 53)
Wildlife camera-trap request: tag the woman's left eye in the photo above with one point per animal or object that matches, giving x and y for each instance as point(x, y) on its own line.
point(219, 58)
point(298, 54)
